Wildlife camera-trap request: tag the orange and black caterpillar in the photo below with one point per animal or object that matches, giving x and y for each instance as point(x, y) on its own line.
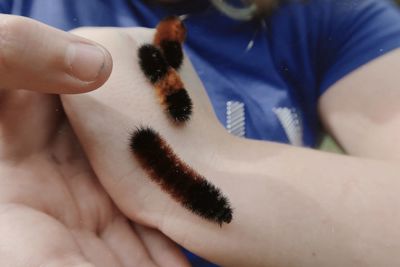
point(183, 183)
point(159, 63)
point(169, 37)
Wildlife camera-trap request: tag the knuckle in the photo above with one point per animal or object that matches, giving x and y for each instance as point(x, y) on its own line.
point(14, 24)
point(12, 30)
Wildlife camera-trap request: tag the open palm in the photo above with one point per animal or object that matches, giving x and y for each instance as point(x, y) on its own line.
point(53, 211)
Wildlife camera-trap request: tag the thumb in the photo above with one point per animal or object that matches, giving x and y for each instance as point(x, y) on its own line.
point(37, 57)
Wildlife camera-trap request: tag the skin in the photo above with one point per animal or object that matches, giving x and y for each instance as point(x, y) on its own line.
point(53, 210)
point(323, 210)
point(292, 206)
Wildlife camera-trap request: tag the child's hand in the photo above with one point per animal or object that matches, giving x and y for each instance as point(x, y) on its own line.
point(104, 120)
point(53, 210)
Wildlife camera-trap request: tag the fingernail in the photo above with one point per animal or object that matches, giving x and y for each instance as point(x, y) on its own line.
point(85, 61)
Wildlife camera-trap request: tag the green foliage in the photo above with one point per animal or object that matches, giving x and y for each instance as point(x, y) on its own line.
point(329, 145)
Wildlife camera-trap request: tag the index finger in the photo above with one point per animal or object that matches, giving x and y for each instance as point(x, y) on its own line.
point(37, 57)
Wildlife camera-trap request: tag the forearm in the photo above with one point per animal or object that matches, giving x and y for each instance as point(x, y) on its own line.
point(362, 111)
point(299, 207)
point(292, 206)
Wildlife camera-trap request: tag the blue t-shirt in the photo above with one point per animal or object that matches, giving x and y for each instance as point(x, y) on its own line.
point(264, 77)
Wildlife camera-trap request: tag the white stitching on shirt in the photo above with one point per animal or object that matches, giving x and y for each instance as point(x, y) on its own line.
point(235, 118)
point(291, 123)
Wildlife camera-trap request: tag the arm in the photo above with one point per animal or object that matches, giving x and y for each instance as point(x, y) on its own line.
point(292, 206)
point(362, 111)
point(298, 207)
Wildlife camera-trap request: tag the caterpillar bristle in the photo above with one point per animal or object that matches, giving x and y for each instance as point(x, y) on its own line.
point(174, 97)
point(170, 35)
point(152, 62)
point(170, 28)
point(173, 53)
point(176, 178)
point(179, 105)
point(159, 63)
